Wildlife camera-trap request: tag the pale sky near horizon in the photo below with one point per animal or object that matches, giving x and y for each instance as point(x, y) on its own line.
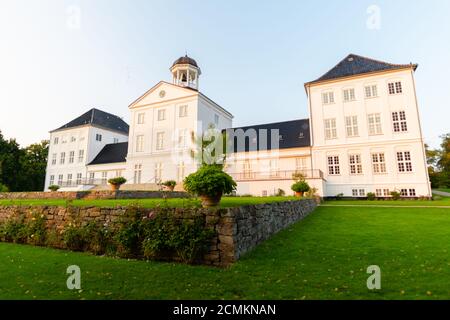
point(255, 55)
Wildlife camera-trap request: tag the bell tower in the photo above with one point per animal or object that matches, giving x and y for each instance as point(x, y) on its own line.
point(185, 72)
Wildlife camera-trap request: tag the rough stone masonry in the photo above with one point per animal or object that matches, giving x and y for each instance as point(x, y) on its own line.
point(238, 230)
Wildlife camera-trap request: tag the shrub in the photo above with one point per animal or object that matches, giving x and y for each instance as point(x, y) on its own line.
point(99, 238)
point(118, 181)
point(209, 180)
point(14, 230)
point(280, 193)
point(128, 235)
point(53, 188)
point(169, 184)
point(3, 188)
point(371, 196)
point(339, 196)
point(36, 230)
point(164, 234)
point(300, 186)
point(74, 238)
point(395, 195)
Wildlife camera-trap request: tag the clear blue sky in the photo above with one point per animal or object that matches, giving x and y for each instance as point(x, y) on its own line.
point(255, 55)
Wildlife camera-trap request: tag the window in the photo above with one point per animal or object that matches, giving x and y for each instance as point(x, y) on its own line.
point(374, 121)
point(91, 177)
point(362, 192)
point(301, 164)
point(216, 119)
point(80, 156)
point(158, 171)
point(354, 192)
point(137, 173)
point(273, 167)
point(351, 125)
point(412, 192)
point(264, 193)
point(62, 159)
point(395, 87)
point(247, 170)
point(69, 179)
point(116, 140)
point(386, 192)
point(371, 91)
point(183, 111)
point(73, 139)
point(161, 114)
point(71, 156)
point(98, 137)
point(355, 164)
point(60, 179)
point(54, 159)
point(404, 192)
point(349, 95)
point(181, 172)
point(140, 143)
point(56, 140)
point(378, 163)
point(119, 173)
point(328, 97)
point(404, 161)
point(333, 165)
point(52, 180)
point(141, 118)
point(104, 177)
point(379, 192)
point(399, 121)
point(79, 178)
point(330, 129)
point(182, 138)
point(160, 141)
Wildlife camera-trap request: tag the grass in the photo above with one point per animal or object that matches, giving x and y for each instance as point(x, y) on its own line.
point(324, 256)
point(442, 202)
point(147, 203)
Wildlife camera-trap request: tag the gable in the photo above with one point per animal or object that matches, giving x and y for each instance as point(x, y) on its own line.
point(162, 92)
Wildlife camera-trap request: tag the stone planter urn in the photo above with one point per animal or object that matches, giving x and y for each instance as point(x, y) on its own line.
point(210, 201)
point(299, 194)
point(115, 187)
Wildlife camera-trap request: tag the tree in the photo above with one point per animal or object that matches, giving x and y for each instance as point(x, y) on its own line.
point(10, 169)
point(439, 163)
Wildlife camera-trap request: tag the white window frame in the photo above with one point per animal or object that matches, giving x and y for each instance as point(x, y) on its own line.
point(301, 164)
point(328, 97)
point(161, 114)
point(160, 136)
point(91, 177)
point(349, 95)
point(137, 178)
point(72, 157)
point(158, 171)
point(79, 178)
point(334, 166)
point(182, 138)
point(62, 159)
point(183, 111)
point(104, 180)
point(330, 129)
point(69, 179)
point(399, 121)
point(378, 160)
point(181, 171)
point(351, 126)
point(395, 87)
point(404, 162)
point(98, 137)
point(56, 140)
point(140, 143)
point(60, 179)
point(355, 162)
point(80, 156)
point(374, 124)
point(371, 91)
point(52, 180)
point(141, 118)
point(54, 159)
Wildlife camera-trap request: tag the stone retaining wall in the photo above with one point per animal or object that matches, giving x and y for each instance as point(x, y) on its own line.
point(238, 230)
point(103, 194)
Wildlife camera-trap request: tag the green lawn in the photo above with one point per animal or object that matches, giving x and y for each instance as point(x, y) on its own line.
point(323, 257)
point(147, 203)
point(444, 202)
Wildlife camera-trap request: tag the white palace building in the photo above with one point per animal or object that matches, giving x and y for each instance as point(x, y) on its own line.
point(363, 135)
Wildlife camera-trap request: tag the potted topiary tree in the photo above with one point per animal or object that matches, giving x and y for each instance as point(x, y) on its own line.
point(300, 187)
point(53, 188)
point(116, 183)
point(210, 182)
point(170, 184)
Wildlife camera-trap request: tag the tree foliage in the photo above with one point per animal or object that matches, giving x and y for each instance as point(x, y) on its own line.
point(439, 163)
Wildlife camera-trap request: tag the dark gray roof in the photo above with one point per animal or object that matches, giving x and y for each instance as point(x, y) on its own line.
point(354, 64)
point(185, 60)
point(99, 118)
point(292, 134)
point(112, 153)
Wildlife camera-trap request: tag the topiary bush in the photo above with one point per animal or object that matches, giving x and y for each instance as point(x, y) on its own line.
point(170, 184)
point(395, 195)
point(371, 196)
point(53, 188)
point(300, 187)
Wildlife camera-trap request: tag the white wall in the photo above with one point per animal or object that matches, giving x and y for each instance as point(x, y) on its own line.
point(389, 142)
